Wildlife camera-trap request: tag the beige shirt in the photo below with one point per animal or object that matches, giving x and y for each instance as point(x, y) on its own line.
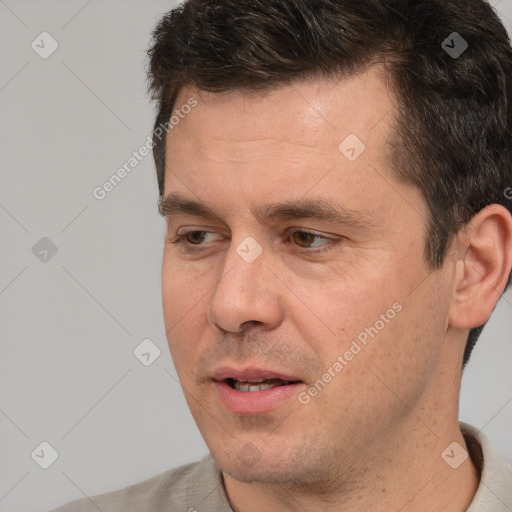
point(198, 487)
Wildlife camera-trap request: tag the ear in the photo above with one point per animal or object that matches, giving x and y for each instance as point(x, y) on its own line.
point(483, 267)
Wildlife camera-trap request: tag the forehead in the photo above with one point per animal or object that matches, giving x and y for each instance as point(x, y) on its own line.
point(240, 147)
point(318, 110)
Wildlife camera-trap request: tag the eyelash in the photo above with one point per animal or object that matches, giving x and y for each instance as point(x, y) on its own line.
point(181, 240)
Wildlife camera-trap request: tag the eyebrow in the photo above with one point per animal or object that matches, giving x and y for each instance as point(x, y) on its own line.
point(318, 209)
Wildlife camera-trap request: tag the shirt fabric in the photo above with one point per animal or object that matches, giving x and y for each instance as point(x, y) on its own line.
point(198, 487)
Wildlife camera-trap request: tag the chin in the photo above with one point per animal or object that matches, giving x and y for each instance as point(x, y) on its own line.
point(249, 466)
point(261, 475)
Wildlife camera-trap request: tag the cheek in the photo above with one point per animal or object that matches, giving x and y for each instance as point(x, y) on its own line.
point(406, 353)
point(182, 304)
point(182, 289)
point(347, 309)
point(379, 324)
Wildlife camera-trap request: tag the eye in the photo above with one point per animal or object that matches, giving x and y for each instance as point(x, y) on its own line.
point(305, 237)
point(192, 235)
point(195, 238)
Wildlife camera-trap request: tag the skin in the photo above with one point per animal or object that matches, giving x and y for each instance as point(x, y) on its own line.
point(372, 439)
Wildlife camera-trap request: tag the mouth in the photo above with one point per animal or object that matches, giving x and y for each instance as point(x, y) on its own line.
point(254, 390)
point(258, 384)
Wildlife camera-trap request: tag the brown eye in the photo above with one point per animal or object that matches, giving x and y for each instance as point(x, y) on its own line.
point(193, 239)
point(304, 237)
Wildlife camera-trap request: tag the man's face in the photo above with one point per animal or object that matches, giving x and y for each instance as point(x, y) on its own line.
point(249, 297)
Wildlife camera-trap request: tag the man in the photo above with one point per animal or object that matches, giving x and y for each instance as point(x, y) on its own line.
point(336, 179)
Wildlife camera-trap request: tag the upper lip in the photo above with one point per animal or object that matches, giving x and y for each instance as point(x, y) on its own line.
point(250, 373)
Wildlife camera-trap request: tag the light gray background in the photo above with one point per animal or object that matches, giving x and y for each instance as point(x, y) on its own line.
point(69, 325)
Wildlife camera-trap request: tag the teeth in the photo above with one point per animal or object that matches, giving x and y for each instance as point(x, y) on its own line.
point(256, 387)
point(260, 384)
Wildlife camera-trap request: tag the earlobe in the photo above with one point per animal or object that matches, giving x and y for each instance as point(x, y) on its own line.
point(482, 272)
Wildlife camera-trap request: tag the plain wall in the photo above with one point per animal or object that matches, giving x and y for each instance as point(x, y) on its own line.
point(69, 325)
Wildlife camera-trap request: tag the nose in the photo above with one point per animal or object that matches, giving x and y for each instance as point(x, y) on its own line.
point(246, 295)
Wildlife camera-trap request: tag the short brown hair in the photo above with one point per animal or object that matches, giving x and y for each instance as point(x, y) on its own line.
point(453, 134)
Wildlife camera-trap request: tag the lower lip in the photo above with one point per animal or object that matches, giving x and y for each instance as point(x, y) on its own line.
point(254, 402)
